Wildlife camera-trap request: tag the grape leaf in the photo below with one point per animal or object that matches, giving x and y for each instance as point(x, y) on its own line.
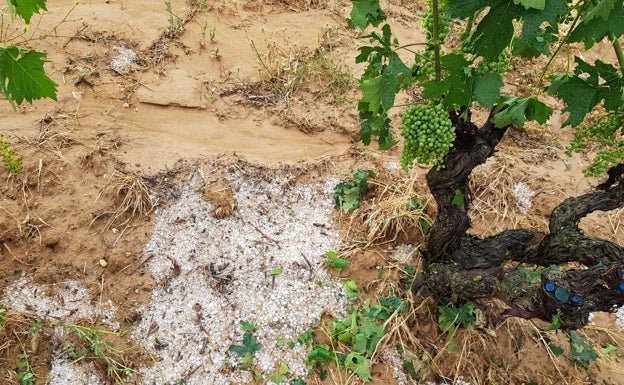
point(365, 13)
point(534, 37)
point(535, 46)
point(456, 86)
point(517, 111)
point(537, 4)
point(375, 124)
point(581, 92)
point(378, 92)
point(494, 32)
point(487, 89)
point(22, 76)
point(602, 9)
point(462, 9)
point(26, 8)
point(384, 76)
point(595, 29)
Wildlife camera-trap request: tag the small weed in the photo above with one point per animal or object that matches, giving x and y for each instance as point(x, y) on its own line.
point(11, 160)
point(347, 195)
point(334, 260)
point(352, 289)
point(354, 340)
point(115, 361)
point(555, 324)
point(284, 69)
point(581, 352)
point(205, 32)
point(250, 345)
point(175, 28)
point(2, 318)
point(450, 318)
point(24, 374)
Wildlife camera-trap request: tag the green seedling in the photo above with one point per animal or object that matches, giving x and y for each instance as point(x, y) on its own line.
point(347, 194)
point(11, 160)
point(334, 260)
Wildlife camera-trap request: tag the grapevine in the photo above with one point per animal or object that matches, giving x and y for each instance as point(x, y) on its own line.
point(428, 134)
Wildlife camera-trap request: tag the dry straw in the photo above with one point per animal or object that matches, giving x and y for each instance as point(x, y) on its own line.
point(131, 200)
point(401, 211)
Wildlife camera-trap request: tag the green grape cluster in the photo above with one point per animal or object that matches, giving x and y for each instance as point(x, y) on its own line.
point(428, 133)
point(443, 23)
point(501, 65)
point(425, 64)
point(604, 131)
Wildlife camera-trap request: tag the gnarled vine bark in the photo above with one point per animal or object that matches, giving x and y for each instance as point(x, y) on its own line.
point(460, 267)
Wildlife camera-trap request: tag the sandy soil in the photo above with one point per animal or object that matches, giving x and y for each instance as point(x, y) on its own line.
point(182, 183)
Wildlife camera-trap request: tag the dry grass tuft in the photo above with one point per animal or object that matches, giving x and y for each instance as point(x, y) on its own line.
point(400, 211)
point(131, 200)
point(616, 217)
point(493, 198)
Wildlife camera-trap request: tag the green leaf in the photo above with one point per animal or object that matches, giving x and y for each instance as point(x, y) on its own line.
point(250, 345)
point(458, 199)
point(610, 348)
point(352, 289)
point(379, 92)
point(594, 28)
point(277, 378)
point(537, 4)
point(248, 326)
point(22, 76)
point(359, 365)
point(333, 260)
point(517, 111)
point(26, 8)
point(451, 316)
point(581, 92)
point(494, 32)
point(393, 303)
point(398, 69)
point(457, 85)
point(555, 350)
point(319, 355)
point(365, 13)
point(305, 337)
point(276, 271)
point(462, 9)
point(411, 370)
point(487, 89)
point(367, 338)
point(602, 9)
point(581, 351)
point(539, 28)
point(247, 361)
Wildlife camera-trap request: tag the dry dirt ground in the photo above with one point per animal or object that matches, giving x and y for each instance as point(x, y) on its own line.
point(183, 182)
